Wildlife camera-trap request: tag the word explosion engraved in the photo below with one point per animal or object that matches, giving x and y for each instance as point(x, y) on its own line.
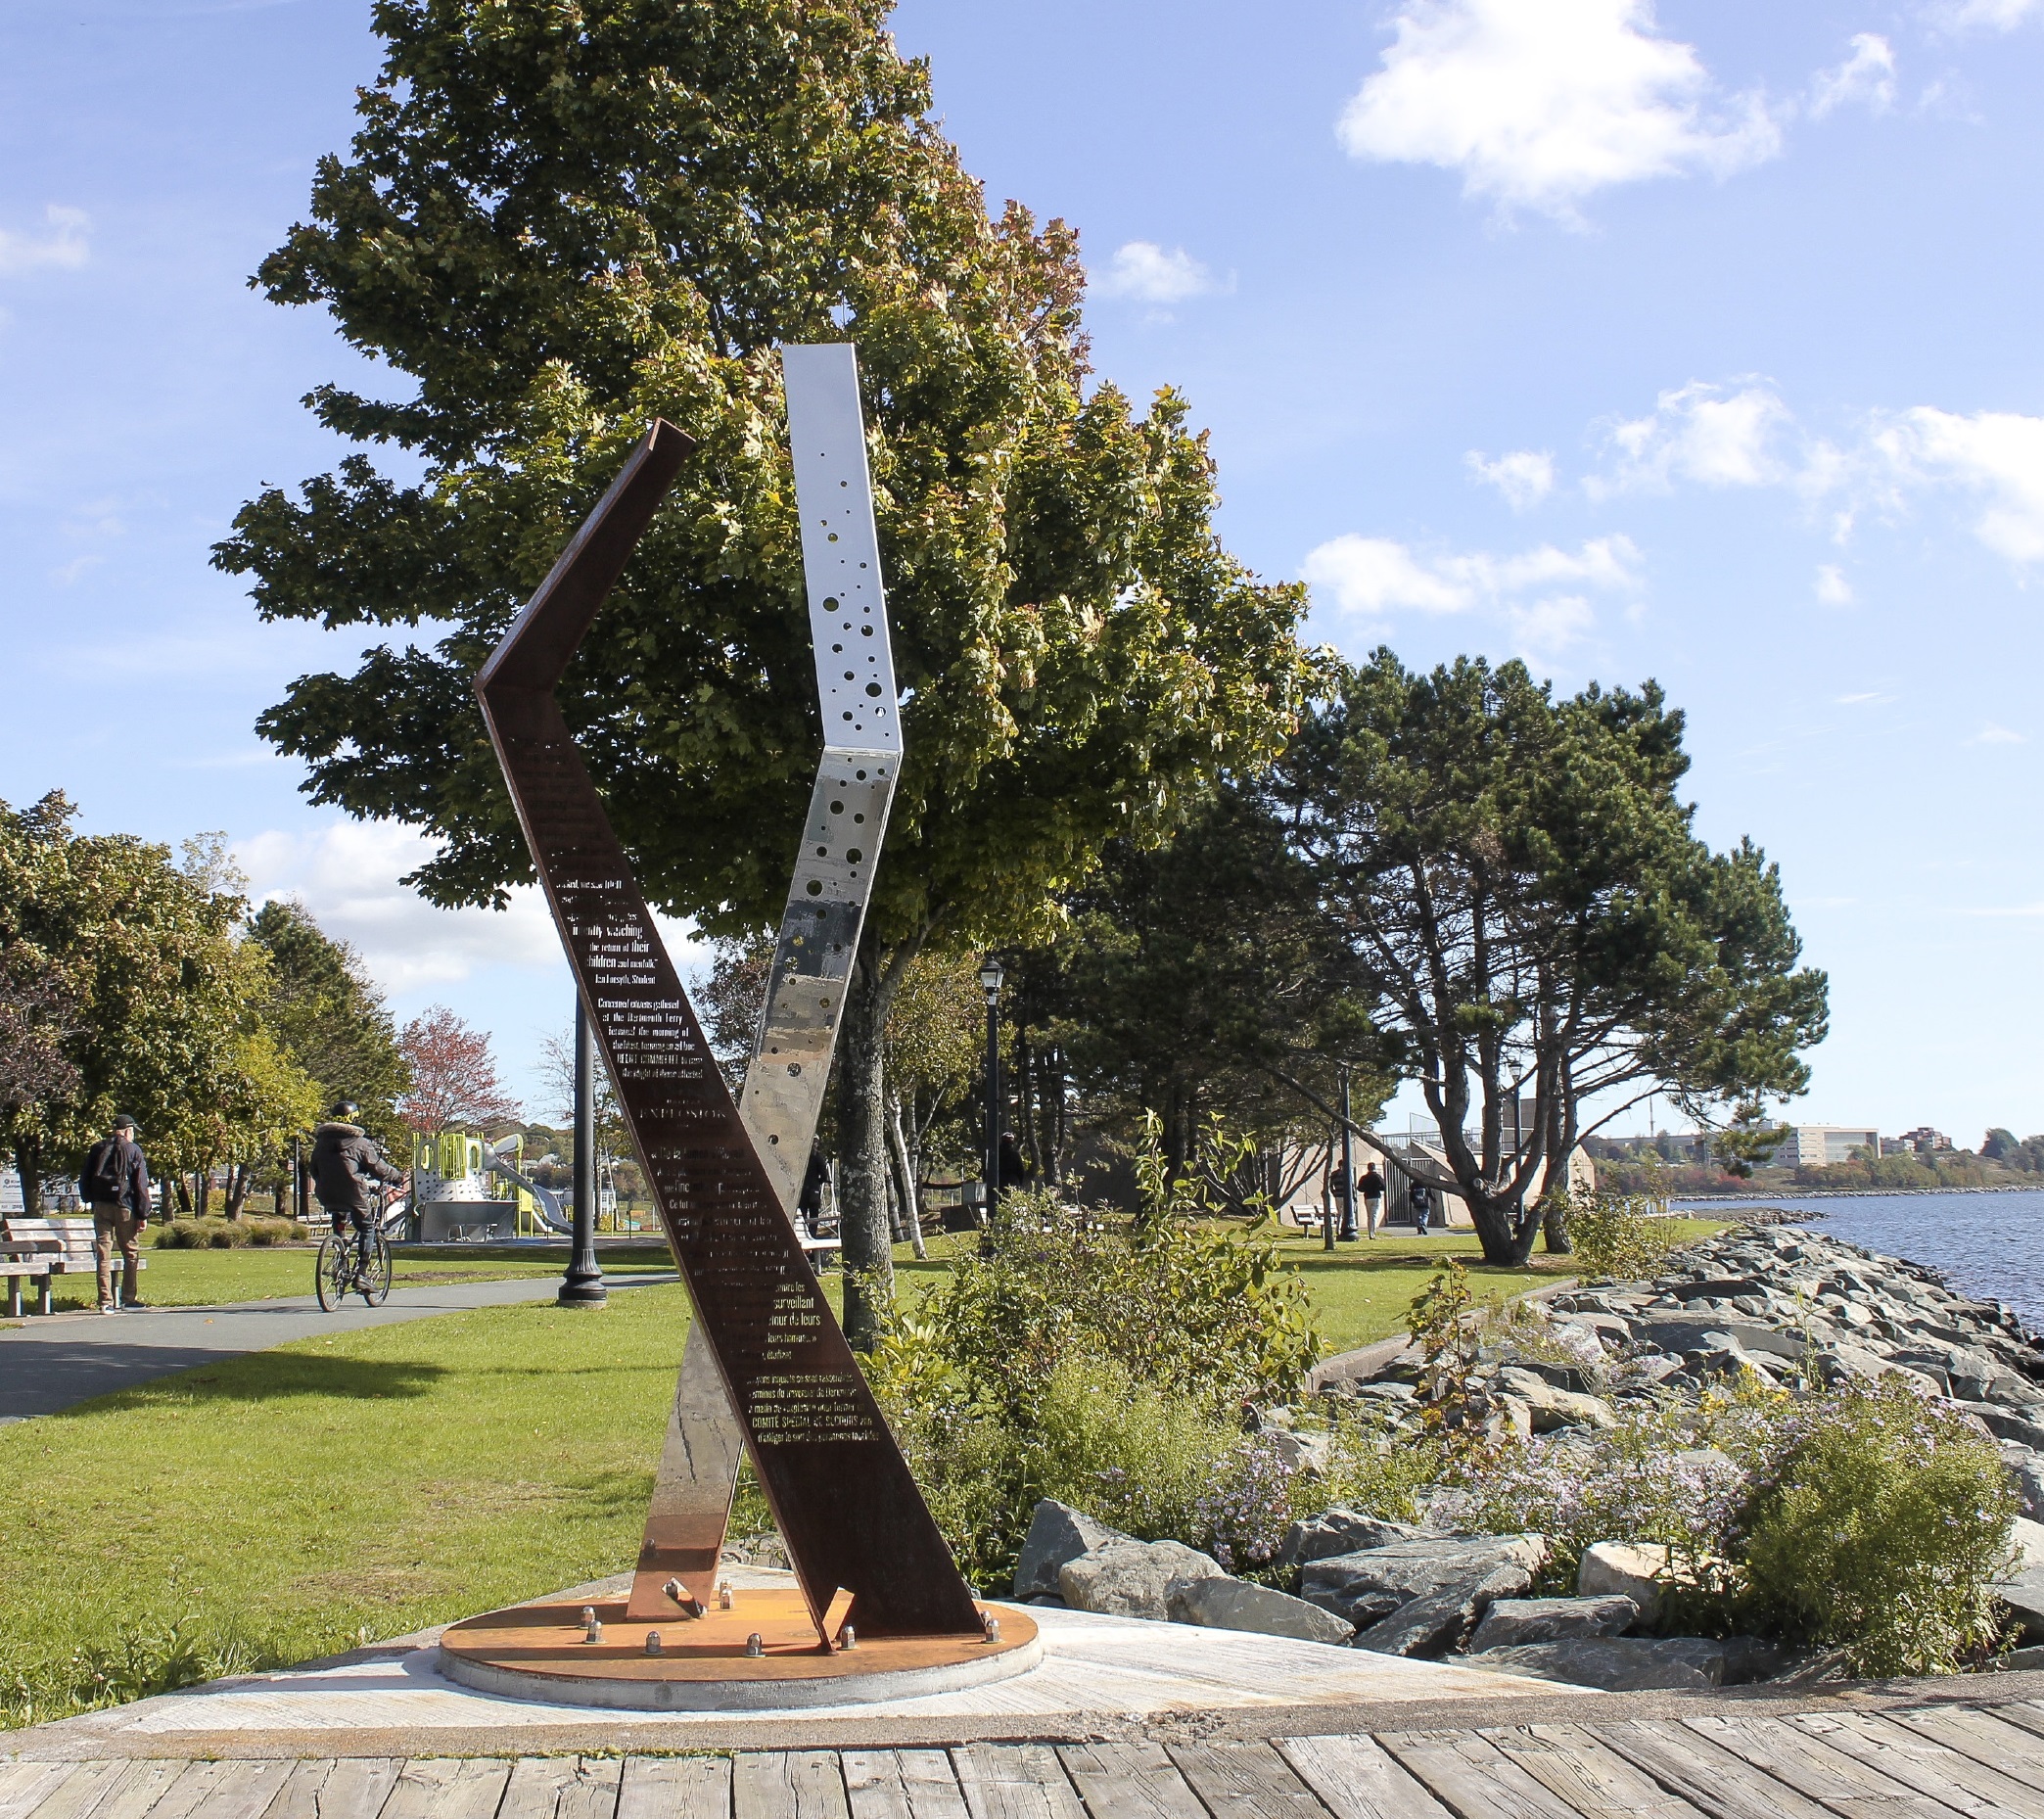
point(841, 1493)
point(782, 1096)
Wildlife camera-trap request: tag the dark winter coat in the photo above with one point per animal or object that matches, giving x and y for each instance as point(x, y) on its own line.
point(347, 1165)
point(122, 1161)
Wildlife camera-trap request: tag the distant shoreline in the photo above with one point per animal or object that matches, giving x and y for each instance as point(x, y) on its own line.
point(1839, 1193)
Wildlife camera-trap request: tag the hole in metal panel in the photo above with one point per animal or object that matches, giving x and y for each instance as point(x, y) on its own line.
point(872, 688)
point(854, 854)
point(816, 887)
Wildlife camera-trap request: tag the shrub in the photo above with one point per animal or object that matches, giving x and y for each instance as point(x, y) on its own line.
point(1879, 1529)
point(226, 1233)
point(1612, 1235)
point(1205, 1310)
point(134, 1663)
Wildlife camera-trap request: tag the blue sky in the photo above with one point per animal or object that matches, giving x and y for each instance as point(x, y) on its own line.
point(1696, 342)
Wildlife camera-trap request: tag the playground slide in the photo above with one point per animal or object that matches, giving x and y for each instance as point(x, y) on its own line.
point(546, 1202)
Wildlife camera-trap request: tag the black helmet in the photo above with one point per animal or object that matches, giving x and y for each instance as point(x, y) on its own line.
point(345, 1111)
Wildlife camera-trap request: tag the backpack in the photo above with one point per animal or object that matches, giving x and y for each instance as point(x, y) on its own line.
point(104, 1178)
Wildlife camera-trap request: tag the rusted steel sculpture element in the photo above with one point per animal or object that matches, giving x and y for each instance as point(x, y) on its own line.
point(841, 1493)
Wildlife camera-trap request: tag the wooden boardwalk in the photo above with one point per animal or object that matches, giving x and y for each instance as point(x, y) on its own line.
point(1929, 1762)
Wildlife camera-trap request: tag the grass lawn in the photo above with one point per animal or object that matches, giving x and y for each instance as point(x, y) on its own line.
point(293, 1502)
point(353, 1487)
point(210, 1277)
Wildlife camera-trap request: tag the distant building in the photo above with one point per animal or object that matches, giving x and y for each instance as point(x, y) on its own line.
point(1924, 1141)
point(1818, 1145)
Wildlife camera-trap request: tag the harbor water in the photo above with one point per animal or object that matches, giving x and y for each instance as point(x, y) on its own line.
point(1989, 1245)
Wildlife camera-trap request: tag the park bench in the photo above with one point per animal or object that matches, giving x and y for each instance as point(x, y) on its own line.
point(43, 1248)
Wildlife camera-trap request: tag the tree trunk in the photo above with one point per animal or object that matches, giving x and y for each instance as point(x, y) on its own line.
point(203, 1179)
point(27, 1157)
point(863, 1229)
point(911, 1196)
point(241, 1176)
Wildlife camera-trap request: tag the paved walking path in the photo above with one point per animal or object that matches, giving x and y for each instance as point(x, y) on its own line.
point(55, 1360)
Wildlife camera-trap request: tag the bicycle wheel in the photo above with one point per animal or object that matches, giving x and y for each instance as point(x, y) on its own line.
point(375, 1278)
point(331, 1273)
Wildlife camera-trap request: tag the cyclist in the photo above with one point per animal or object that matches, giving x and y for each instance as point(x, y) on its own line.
point(348, 1171)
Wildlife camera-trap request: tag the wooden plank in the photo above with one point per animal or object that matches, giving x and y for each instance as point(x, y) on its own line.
point(441, 1788)
point(25, 1786)
point(1791, 1756)
point(1472, 1777)
point(561, 1787)
point(352, 1787)
point(1130, 1781)
point(86, 1792)
point(1585, 1776)
point(1245, 1781)
point(1356, 1779)
point(690, 1787)
point(902, 1783)
point(133, 1795)
point(2007, 1748)
point(1714, 1781)
point(239, 1790)
point(792, 1784)
point(1015, 1781)
point(2024, 1713)
point(1901, 1754)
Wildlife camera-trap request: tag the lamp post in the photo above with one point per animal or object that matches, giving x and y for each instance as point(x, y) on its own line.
point(583, 1284)
point(990, 977)
point(1348, 1163)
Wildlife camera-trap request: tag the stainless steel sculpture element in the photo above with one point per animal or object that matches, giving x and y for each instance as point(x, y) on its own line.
point(841, 1494)
point(783, 1097)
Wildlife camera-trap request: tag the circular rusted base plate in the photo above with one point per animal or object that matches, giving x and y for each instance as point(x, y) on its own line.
point(537, 1652)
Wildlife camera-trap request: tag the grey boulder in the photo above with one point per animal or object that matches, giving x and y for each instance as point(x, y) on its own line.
point(1124, 1578)
point(1370, 1584)
point(1617, 1664)
point(1514, 1622)
point(1236, 1604)
point(1435, 1624)
point(1554, 1407)
point(2024, 1593)
point(1341, 1531)
point(1057, 1533)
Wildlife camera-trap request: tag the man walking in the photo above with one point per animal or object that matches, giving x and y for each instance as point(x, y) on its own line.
point(346, 1167)
point(1372, 1186)
point(114, 1184)
point(1421, 1203)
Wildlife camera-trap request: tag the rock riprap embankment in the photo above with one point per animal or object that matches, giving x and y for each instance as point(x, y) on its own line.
point(1783, 1303)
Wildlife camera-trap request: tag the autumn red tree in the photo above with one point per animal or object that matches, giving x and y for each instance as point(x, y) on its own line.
point(454, 1076)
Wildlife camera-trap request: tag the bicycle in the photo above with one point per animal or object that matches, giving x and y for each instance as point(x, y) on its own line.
point(352, 1262)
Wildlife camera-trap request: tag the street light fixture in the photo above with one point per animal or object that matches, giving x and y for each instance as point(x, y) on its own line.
point(990, 977)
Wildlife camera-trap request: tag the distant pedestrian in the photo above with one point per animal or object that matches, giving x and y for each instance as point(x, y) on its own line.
point(114, 1184)
point(1016, 1171)
point(814, 1180)
point(1421, 1203)
point(1372, 1184)
point(347, 1166)
point(1341, 1202)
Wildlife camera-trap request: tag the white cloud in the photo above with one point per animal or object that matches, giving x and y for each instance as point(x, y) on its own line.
point(1541, 105)
point(1547, 628)
point(1709, 434)
point(1867, 75)
point(1996, 14)
point(1370, 578)
point(1149, 274)
point(346, 876)
point(1524, 477)
point(64, 245)
point(1996, 455)
point(1860, 700)
point(1833, 589)
point(1991, 734)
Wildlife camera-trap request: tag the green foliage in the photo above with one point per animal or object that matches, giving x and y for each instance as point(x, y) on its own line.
point(1522, 883)
point(137, 1664)
point(1437, 1320)
point(558, 224)
point(228, 1233)
point(1200, 1309)
point(1880, 1532)
point(1612, 1234)
point(329, 1016)
point(162, 1002)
